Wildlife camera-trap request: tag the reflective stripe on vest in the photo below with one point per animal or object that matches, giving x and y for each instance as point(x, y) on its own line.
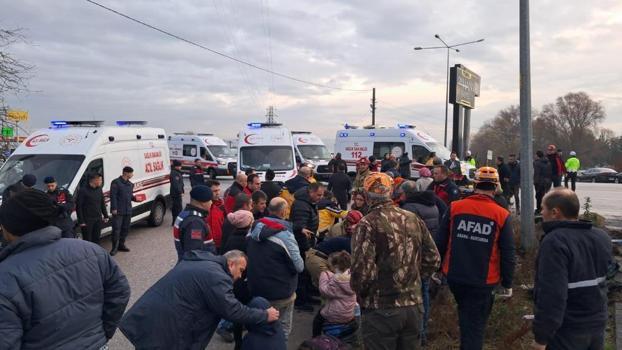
point(588, 283)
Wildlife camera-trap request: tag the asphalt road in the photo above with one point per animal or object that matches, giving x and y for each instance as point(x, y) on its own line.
point(153, 255)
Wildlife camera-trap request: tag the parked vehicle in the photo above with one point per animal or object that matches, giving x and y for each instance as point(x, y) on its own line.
point(598, 175)
point(69, 150)
point(264, 146)
point(310, 149)
point(619, 178)
point(216, 156)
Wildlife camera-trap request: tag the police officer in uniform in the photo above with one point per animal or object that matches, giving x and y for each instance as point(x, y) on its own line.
point(177, 189)
point(66, 205)
point(477, 250)
point(121, 197)
point(191, 231)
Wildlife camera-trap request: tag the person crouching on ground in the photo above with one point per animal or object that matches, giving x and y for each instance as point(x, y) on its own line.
point(340, 300)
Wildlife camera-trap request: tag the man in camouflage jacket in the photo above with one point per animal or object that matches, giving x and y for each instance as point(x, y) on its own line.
point(391, 250)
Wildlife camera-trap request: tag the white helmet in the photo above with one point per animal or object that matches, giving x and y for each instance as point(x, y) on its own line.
point(573, 153)
point(468, 153)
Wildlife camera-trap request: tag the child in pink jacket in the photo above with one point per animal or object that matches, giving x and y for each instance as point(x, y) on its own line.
point(339, 299)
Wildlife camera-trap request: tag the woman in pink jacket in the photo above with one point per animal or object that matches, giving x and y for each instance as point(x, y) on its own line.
point(339, 299)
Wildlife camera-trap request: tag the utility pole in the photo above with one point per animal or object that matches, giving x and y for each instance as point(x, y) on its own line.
point(526, 133)
point(373, 106)
point(270, 115)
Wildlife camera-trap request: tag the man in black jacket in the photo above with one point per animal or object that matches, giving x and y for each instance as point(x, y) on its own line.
point(504, 178)
point(121, 197)
point(177, 190)
point(190, 231)
point(182, 310)
point(305, 220)
point(91, 208)
point(54, 293)
point(405, 166)
point(27, 181)
point(333, 164)
point(66, 205)
point(341, 185)
point(300, 181)
point(570, 293)
point(541, 178)
point(269, 187)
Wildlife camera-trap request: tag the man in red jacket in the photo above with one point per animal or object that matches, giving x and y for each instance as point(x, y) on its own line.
point(216, 217)
point(239, 186)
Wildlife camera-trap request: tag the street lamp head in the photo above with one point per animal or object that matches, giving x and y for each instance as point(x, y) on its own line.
point(480, 40)
point(436, 36)
point(457, 50)
point(418, 48)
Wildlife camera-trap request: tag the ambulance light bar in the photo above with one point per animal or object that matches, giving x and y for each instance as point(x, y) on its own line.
point(67, 123)
point(256, 125)
point(405, 126)
point(130, 122)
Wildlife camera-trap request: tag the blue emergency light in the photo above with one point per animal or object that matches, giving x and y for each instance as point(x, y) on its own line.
point(130, 122)
point(58, 123)
point(402, 134)
point(254, 125)
point(405, 126)
point(372, 134)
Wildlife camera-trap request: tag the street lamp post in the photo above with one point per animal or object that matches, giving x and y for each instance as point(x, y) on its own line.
point(448, 48)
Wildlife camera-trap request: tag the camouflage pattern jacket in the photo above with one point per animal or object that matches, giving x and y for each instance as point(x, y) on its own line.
point(391, 250)
point(357, 185)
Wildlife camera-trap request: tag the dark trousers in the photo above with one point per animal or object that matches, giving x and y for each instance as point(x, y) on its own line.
point(573, 180)
point(65, 224)
point(541, 190)
point(92, 231)
point(474, 307)
point(120, 229)
point(390, 329)
point(515, 189)
point(176, 207)
point(557, 181)
point(318, 323)
point(571, 340)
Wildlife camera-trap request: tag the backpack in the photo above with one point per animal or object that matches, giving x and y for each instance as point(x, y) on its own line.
point(324, 342)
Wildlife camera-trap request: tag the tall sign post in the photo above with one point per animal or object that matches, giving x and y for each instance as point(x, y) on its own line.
point(528, 236)
point(464, 86)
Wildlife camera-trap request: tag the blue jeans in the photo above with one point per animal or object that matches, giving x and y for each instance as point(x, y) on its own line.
point(425, 294)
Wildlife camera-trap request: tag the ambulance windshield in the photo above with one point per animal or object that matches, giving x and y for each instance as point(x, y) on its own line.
point(63, 167)
point(314, 152)
point(221, 151)
point(441, 152)
point(262, 158)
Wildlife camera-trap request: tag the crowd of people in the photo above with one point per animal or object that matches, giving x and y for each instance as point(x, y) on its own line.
point(368, 251)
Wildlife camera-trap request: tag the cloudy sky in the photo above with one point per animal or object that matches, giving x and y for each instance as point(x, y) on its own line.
point(91, 64)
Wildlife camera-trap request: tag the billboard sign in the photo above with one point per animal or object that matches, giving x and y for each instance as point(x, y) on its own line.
point(464, 86)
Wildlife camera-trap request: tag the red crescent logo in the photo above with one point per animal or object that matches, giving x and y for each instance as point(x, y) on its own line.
point(35, 140)
point(301, 140)
point(246, 139)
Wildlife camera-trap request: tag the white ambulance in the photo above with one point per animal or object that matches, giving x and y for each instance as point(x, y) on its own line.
point(69, 150)
point(216, 157)
point(354, 143)
point(311, 149)
point(264, 146)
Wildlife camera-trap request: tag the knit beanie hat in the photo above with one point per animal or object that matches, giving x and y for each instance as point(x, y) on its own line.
point(201, 193)
point(29, 180)
point(241, 218)
point(28, 211)
point(425, 172)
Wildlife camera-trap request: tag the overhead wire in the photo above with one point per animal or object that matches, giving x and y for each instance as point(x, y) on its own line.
point(229, 57)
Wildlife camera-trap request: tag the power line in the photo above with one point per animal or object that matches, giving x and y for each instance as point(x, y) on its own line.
point(282, 75)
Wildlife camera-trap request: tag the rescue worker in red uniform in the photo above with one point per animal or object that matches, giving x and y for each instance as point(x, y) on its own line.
point(66, 205)
point(477, 250)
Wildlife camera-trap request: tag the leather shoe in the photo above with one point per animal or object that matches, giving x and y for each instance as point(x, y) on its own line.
point(123, 248)
point(113, 252)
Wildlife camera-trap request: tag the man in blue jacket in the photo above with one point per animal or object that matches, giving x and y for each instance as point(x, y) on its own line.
point(55, 293)
point(570, 289)
point(275, 262)
point(181, 311)
point(121, 197)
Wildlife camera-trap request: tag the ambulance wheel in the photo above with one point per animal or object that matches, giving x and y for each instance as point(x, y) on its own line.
point(157, 213)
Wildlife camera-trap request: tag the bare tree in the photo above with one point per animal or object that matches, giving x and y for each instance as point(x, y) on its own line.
point(13, 73)
point(499, 134)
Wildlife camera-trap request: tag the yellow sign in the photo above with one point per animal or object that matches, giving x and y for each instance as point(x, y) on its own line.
point(17, 115)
